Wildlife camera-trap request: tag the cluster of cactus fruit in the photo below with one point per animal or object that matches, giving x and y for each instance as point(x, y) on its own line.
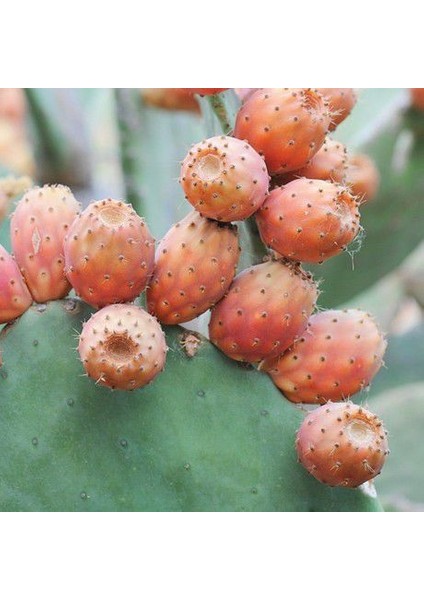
point(304, 193)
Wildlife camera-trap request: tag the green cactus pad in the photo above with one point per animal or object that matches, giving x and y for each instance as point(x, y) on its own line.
point(206, 435)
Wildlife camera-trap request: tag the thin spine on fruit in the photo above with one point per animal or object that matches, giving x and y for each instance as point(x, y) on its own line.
point(341, 102)
point(337, 355)
point(195, 264)
point(342, 444)
point(122, 347)
point(38, 227)
point(266, 308)
point(109, 253)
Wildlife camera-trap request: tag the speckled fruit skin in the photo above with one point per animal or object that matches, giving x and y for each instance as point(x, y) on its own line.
point(122, 347)
point(109, 253)
point(342, 444)
point(38, 227)
point(287, 126)
point(205, 91)
point(170, 99)
point(341, 102)
point(15, 298)
point(337, 355)
point(308, 220)
point(267, 307)
point(195, 265)
point(224, 179)
point(362, 177)
point(328, 164)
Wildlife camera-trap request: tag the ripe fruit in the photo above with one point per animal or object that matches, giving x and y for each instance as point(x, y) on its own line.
point(329, 163)
point(417, 98)
point(109, 253)
point(341, 102)
point(266, 308)
point(170, 99)
point(122, 346)
point(195, 265)
point(15, 298)
point(337, 355)
point(287, 126)
point(38, 227)
point(308, 220)
point(342, 444)
point(362, 177)
point(224, 178)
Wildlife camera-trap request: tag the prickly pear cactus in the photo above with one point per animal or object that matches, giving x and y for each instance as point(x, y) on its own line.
point(207, 435)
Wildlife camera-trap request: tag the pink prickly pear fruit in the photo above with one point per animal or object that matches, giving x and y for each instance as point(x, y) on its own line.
point(342, 444)
point(170, 99)
point(309, 220)
point(286, 126)
point(205, 91)
point(338, 354)
point(224, 179)
point(15, 298)
point(38, 227)
point(122, 347)
point(195, 265)
point(109, 253)
point(362, 177)
point(341, 102)
point(329, 163)
point(266, 308)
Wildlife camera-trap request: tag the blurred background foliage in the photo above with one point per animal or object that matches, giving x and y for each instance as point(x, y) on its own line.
point(88, 139)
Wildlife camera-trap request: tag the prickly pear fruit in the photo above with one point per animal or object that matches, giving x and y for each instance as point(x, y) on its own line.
point(417, 98)
point(15, 298)
point(341, 102)
point(266, 308)
point(224, 178)
point(329, 163)
point(122, 347)
point(38, 227)
point(109, 253)
point(342, 444)
point(337, 355)
point(286, 126)
point(170, 99)
point(362, 177)
point(195, 265)
point(309, 220)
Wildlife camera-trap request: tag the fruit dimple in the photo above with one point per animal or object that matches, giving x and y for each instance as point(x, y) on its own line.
point(360, 432)
point(209, 167)
point(120, 346)
point(113, 215)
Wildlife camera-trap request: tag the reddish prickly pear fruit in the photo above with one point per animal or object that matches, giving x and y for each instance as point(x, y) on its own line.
point(15, 298)
point(170, 99)
point(417, 98)
point(224, 179)
point(244, 93)
point(195, 265)
point(266, 308)
point(341, 102)
point(38, 227)
point(362, 177)
point(342, 444)
point(337, 355)
point(329, 163)
point(286, 126)
point(109, 253)
point(309, 220)
point(122, 347)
